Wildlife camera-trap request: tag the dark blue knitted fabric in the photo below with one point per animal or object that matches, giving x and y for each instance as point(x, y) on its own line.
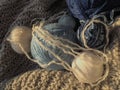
point(85, 9)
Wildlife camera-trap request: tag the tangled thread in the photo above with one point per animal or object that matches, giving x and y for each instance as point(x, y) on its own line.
point(62, 29)
point(95, 31)
point(71, 49)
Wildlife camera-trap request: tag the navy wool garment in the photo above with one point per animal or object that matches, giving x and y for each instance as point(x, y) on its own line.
point(85, 9)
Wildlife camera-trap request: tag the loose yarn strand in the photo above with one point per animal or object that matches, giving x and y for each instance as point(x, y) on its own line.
point(34, 60)
point(105, 56)
point(47, 49)
point(62, 62)
point(55, 40)
point(102, 77)
point(84, 40)
point(58, 42)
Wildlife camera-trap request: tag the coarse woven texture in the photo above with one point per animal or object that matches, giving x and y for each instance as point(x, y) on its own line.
point(21, 13)
point(62, 80)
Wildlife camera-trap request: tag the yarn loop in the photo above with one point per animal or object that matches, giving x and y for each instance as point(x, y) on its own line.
point(60, 29)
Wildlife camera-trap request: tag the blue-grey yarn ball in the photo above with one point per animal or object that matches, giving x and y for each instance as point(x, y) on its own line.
point(67, 21)
point(95, 35)
point(44, 56)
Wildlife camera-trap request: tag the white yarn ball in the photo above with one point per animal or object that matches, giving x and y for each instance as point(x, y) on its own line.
point(20, 35)
point(88, 67)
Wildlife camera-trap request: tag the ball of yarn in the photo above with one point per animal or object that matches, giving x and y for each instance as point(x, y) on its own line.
point(20, 35)
point(95, 35)
point(85, 9)
point(88, 67)
point(67, 21)
point(44, 56)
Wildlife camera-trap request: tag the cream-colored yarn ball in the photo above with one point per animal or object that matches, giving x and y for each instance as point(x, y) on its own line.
point(87, 67)
point(20, 35)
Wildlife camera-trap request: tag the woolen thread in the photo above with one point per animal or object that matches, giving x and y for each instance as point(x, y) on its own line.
point(60, 29)
point(95, 35)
